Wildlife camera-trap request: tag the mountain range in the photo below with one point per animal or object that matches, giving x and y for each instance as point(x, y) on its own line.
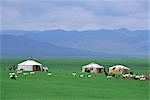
point(89, 43)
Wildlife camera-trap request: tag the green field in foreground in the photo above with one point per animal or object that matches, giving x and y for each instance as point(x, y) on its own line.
point(62, 86)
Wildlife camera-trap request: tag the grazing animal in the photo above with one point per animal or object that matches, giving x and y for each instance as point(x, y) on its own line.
point(13, 76)
point(25, 73)
point(109, 77)
point(81, 75)
point(131, 76)
point(142, 78)
point(19, 71)
point(126, 75)
point(45, 69)
point(137, 76)
point(49, 74)
point(74, 74)
point(89, 76)
point(31, 73)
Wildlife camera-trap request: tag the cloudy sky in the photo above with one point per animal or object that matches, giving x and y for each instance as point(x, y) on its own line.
point(74, 14)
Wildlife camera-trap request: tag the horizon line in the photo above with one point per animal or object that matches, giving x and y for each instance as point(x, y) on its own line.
point(77, 30)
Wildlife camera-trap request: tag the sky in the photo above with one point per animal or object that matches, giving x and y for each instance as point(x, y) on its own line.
point(74, 14)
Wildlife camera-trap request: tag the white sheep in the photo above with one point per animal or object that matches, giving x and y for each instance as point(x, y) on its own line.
point(142, 78)
point(81, 75)
point(31, 73)
point(137, 76)
point(109, 77)
point(14, 76)
point(25, 73)
point(89, 76)
point(126, 75)
point(11, 74)
point(131, 76)
point(74, 74)
point(19, 71)
point(45, 69)
point(49, 74)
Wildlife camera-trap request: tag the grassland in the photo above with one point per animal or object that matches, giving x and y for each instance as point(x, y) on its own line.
point(62, 86)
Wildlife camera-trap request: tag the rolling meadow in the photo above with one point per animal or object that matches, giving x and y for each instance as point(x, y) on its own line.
point(62, 86)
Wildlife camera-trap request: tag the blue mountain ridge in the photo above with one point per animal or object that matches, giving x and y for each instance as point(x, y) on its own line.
point(90, 43)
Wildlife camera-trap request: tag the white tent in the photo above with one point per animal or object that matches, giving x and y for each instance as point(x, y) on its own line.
point(92, 68)
point(30, 65)
point(119, 69)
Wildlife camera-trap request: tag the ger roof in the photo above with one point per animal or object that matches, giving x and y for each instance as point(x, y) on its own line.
point(29, 62)
point(92, 65)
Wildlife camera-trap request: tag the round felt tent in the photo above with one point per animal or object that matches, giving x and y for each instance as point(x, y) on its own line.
point(30, 65)
point(119, 69)
point(92, 68)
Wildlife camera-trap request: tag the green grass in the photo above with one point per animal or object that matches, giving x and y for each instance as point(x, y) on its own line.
point(62, 86)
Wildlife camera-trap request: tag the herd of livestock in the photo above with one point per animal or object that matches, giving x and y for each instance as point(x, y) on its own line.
point(142, 77)
point(30, 67)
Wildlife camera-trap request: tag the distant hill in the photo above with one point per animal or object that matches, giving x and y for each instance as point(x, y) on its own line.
point(17, 46)
point(112, 41)
point(90, 43)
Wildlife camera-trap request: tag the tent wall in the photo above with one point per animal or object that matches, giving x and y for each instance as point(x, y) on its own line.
point(92, 70)
point(27, 67)
point(99, 70)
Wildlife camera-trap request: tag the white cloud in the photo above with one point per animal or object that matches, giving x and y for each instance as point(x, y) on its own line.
point(74, 15)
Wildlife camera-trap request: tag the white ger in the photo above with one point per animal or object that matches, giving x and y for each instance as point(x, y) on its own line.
point(92, 68)
point(30, 65)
